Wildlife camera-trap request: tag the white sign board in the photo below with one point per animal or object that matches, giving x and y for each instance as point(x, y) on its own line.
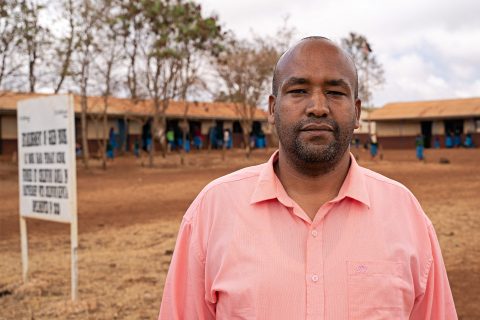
point(46, 158)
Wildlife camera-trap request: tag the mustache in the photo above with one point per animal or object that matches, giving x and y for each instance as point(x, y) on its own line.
point(318, 121)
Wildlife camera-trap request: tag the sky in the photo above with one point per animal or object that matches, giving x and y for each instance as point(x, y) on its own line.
point(429, 49)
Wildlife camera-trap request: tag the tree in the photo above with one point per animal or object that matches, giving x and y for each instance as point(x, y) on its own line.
point(189, 77)
point(10, 39)
point(64, 46)
point(87, 19)
point(35, 38)
point(162, 65)
point(133, 34)
point(170, 24)
point(370, 71)
point(246, 69)
point(201, 37)
point(108, 53)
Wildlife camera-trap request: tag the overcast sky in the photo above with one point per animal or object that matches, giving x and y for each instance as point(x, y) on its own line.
point(429, 49)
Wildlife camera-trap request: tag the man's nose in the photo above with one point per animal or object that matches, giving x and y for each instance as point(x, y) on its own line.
point(318, 105)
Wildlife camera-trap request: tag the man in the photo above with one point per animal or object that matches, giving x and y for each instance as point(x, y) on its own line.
point(310, 234)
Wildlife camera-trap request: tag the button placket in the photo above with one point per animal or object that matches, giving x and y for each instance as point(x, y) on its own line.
point(314, 272)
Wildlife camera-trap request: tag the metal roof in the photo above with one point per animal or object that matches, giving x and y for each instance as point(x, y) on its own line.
point(125, 107)
point(424, 110)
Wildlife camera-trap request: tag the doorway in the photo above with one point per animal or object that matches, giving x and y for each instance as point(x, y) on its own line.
point(427, 133)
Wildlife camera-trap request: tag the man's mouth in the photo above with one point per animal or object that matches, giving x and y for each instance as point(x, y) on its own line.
point(316, 127)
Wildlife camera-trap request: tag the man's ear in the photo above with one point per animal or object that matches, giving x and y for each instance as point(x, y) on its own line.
point(271, 109)
point(358, 112)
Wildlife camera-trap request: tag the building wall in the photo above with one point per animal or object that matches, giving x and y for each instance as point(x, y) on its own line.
point(438, 127)
point(365, 127)
point(408, 142)
point(228, 125)
point(397, 142)
point(397, 129)
point(206, 125)
point(476, 139)
point(8, 146)
point(135, 128)
point(401, 134)
point(8, 127)
point(94, 128)
point(363, 138)
point(8, 132)
point(469, 126)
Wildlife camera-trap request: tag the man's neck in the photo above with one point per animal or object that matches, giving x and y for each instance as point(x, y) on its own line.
point(311, 190)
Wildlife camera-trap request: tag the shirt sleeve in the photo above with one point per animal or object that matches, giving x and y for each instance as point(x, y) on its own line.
point(437, 301)
point(184, 291)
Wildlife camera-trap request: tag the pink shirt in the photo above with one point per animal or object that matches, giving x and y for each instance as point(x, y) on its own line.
point(246, 250)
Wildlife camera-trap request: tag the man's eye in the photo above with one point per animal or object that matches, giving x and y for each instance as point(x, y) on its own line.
point(335, 93)
point(297, 91)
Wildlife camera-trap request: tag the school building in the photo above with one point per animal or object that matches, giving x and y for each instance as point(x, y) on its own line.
point(365, 128)
point(398, 124)
point(131, 122)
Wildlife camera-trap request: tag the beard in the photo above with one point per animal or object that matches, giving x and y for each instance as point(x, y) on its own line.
point(315, 151)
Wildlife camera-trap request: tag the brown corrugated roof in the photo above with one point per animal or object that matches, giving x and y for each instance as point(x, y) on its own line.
point(120, 107)
point(8, 100)
point(438, 109)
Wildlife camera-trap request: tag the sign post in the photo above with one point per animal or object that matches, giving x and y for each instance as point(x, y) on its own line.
point(47, 169)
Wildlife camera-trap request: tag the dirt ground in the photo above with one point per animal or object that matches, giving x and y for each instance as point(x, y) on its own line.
point(129, 216)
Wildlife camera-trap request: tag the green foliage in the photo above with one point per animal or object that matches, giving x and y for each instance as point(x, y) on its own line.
point(179, 25)
point(9, 39)
point(370, 71)
point(246, 68)
point(164, 32)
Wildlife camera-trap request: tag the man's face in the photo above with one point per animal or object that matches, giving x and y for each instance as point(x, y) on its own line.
point(315, 111)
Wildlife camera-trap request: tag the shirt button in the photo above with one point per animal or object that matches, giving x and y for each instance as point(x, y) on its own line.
point(315, 278)
point(314, 233)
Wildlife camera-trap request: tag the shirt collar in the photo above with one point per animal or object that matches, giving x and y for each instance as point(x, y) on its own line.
point(354, 185)
point(266, 187)
point(269, 186)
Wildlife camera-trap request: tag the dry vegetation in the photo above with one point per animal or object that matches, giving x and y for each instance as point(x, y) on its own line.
point(129, 216)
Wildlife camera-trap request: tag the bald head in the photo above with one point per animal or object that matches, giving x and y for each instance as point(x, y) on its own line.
point(317, 40)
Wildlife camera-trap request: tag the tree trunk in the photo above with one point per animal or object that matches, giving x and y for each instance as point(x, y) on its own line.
point(153, 130)
point(66, 62)
point(224, 150)
point(161, 137)
point(209, 147)
point(184, 130)
point(157, 125)
point(31, 75)
point(85, 154)
point(246, 140)
point(125, 135)
point(182, 150)
point(104, 139)
point(246, 129)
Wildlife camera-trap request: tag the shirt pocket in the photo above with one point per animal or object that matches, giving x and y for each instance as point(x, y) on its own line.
point(375, 290)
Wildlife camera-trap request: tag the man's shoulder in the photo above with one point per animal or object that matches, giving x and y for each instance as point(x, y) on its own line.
point(237, 186)
point(388, 191)
point(376, 179)
point(246, 177)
